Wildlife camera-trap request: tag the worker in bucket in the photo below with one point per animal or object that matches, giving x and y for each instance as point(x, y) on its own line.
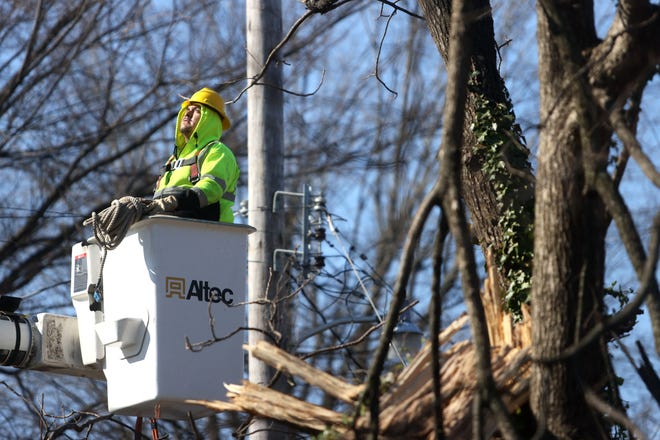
point(199, 179)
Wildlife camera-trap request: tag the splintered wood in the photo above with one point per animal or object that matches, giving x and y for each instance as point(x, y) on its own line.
point(501, 329)
point(406, 407)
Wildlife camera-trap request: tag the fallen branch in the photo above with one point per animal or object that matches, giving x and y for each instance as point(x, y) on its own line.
point(288, 363)
point(406, 407)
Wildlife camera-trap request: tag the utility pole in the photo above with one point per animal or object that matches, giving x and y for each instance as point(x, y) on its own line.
point(265, 170)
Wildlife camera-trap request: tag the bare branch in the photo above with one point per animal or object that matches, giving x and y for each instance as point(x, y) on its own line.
point(380, 49)
point(634, 148)
point(435, 325)
point(252, 81)
point(648, 374)
point(605, 408)
point(373, 377)
point(396, 7)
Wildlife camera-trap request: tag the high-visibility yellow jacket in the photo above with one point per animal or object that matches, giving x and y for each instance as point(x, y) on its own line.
point(202, 173)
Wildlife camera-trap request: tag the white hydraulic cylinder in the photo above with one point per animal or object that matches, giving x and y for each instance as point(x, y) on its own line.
point(45, 342)
point(16, 340)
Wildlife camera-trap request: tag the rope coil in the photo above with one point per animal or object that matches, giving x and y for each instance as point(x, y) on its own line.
point(111, 225)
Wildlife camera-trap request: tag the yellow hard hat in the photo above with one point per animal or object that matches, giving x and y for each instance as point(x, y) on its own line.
point(210, 98)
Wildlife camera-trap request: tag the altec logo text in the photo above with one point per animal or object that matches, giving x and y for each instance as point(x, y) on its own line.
point(198, 289)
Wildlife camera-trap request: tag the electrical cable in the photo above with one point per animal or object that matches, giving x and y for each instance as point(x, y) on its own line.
point(339, 338)
point(333, 229)
point(364, 289)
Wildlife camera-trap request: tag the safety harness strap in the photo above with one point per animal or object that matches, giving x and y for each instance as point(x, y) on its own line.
point(194, 176)
point(195, 163)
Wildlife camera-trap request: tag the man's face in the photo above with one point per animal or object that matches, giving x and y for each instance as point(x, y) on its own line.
point(190, 119)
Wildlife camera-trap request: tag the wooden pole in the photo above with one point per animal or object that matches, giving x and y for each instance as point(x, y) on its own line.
point(265, 170)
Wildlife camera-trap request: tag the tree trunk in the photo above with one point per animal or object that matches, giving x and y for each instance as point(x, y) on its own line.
point(570, 229)
point(491, 160)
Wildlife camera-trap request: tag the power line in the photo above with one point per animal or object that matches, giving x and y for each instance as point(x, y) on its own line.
point(47, 214)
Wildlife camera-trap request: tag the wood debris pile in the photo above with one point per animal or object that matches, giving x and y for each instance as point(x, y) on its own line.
point(406, 407)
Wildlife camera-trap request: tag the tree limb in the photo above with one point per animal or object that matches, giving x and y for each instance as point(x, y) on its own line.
point(633, 147)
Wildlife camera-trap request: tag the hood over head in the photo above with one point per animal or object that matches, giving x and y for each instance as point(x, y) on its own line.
point(212, 121)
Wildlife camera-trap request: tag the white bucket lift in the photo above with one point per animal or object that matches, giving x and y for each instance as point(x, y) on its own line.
point(171, 280)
